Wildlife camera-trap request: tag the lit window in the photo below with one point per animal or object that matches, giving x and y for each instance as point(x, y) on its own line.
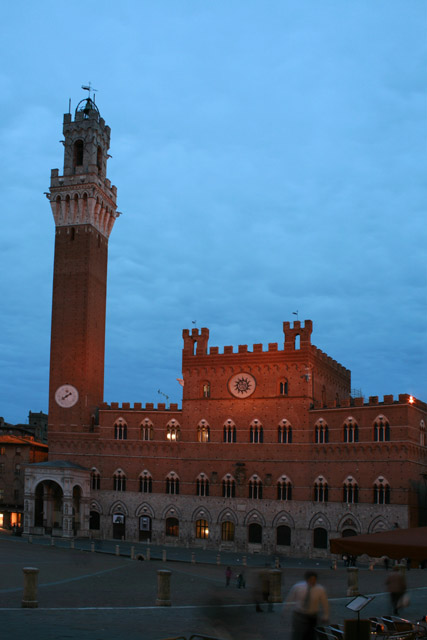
point(203, 431)
point(172, 431)
point(202, 529)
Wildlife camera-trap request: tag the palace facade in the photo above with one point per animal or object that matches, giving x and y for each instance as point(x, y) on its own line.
point(269, 451)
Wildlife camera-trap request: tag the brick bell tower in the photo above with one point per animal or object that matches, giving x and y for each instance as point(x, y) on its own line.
point(84, 209)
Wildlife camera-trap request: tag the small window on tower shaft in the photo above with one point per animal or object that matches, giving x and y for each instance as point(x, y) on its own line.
point(78, 153)
point(99, 159)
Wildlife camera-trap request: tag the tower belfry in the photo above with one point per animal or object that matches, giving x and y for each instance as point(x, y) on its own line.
point(83, 204)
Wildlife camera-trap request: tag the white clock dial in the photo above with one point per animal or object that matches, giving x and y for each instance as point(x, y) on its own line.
point(66, 396)
point(242, 385)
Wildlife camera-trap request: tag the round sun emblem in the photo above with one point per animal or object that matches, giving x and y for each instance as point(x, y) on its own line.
point(242, 385)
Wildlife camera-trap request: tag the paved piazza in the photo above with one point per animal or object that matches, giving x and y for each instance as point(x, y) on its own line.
point(101, 596)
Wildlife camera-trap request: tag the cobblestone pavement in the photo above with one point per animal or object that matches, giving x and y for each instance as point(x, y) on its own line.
point(101, 596)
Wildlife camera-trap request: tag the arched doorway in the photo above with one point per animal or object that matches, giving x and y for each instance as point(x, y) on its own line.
point(144, 528)
point(255, 533)
point(119, 526)
point(48, 506)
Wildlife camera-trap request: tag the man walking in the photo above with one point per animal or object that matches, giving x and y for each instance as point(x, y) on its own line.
point(310, 603)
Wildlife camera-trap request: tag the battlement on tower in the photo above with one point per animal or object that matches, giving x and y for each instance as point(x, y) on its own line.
point(137, 406)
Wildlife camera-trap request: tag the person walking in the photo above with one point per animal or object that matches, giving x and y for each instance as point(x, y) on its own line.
point(228, 574)
point(310, 605)
point(396, 586)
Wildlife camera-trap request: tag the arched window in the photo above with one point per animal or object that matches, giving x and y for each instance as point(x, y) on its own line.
point(284, 489)
point(203, 431)
point(202, 529)
point(283, 535)
point(284, 434)
point(255, 488)
point(228, 487)
point(320, 538)
point(206, 390)
point(145, 482)
point(256, 433)
point(255, 533)
point(120, 430)
point(172, 431)
point(381, 429)
point(202, 485)
point(227, 531)
point(350, 491)
point(320, 490)
point(95, 479)
point(119, 481)
point(351, 431)
point(321, 432)
point(147, 429)
point(78, 153)
point(230, 431)
point(381, 491)
point(172, 484)
point(172, 527)
point(283, 387)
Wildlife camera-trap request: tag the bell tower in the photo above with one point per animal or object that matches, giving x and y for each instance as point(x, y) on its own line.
point(84, 209)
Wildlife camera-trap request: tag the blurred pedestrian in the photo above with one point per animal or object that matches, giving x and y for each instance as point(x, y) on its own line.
point(228, 574)
point(396, 586)
point(310, 605)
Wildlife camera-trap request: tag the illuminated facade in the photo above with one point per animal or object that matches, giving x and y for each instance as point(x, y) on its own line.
point(269, 451)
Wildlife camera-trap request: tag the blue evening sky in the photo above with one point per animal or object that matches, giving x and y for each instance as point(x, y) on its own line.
point(269, 155)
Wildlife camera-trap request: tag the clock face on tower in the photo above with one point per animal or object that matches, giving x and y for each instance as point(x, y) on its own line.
point(241, 385)
point(66, 396)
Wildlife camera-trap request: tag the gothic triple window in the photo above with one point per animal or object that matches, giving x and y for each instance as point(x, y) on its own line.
point(321, 432)
point(255, 488)
point(203, 431)
point(172, 484)
point(145, 482)
point(320, 490)
point(381, 429)
point(351, 431)
point(120, 430)
point(228, 487)
point(172, 431)
point(284, 489)
point(229, 432)
point(202, 485)
point(256, 433)
point(381, 491)
point(202, 529)
point(147, 429)
point(284, 434)
point(119, 481)
point(95, 479)
point(350, 491)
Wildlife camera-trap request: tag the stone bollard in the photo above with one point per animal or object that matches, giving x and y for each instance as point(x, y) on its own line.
point(117, 550)
point(132, 553)
point(163, 588)
point(29, 597)
point(30, 539)
point(218, 559)
point(148, 554)
point(277, 562)
point(353, 581)
point(193, 558)
point(92, 547)
point(244, 561)
point(72, 543)
point(164, 555)
point(334, 564)
point(52, 542)
point(275, 583)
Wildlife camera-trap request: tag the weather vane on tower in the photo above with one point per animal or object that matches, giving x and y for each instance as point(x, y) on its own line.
point(88, 87)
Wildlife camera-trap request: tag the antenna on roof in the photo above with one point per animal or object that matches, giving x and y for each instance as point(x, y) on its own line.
point(295, 313)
